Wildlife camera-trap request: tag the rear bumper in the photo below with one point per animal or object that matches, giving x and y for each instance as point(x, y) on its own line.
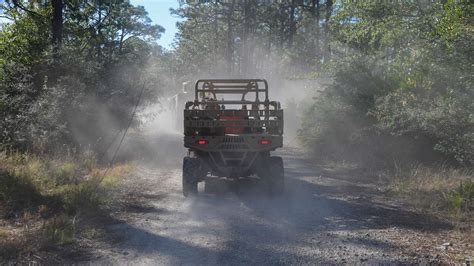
point(242, 143)
point(232, 155)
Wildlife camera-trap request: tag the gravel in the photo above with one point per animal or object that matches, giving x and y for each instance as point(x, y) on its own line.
point(321, 219)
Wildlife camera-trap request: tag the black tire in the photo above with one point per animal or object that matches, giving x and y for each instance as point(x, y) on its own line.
point(274, 176)
point(190, 178)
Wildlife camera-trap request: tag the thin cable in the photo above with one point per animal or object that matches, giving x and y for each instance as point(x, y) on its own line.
point(123, 136)
point(104, 152)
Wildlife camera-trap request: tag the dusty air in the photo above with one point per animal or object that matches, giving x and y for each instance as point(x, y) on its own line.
point(236, 132)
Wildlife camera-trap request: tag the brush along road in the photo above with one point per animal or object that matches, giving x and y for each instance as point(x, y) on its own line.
point(230, 129)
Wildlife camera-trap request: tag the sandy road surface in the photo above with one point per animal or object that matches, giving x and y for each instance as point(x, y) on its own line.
point(323, 217)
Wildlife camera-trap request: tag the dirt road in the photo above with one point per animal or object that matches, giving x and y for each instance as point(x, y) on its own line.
point(325, 216)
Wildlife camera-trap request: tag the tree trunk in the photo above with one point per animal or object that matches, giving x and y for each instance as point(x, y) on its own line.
point(248, 43)
point(99, 37)
point(281, 33)
point(230, 41)
point(216, 38)
point(316, 40)
point(57, 27)
point(327, 46)
point(292, 30)
point(122, 36)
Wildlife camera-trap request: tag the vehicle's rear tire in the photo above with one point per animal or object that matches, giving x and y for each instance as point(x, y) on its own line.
point(274, 176)
point(190, 176)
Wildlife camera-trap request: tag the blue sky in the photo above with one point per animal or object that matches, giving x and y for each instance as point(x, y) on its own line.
point(158, 11)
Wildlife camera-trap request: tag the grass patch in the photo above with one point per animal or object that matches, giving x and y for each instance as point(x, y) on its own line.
point(438, 189)
point(340, 165)
point(114, 176)
point(461, 199)
point(50, 194)
point(93, 233)
point(3, 233)
point(60, 230)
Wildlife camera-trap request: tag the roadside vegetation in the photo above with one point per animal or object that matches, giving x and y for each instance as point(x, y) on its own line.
point(442, 190)
point(392, 82)
point(70, 75)
point(48, 202)
point(401, 101)
point(403, 91)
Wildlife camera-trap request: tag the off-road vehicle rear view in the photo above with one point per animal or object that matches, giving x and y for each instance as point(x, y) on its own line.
point(230, 129)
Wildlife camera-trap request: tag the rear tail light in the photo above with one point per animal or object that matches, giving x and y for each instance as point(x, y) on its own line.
point(202, 141)
point(265, 141)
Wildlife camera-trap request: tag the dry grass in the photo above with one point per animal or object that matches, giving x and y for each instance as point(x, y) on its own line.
point(114, 176)
point(47, 197)
point(339, 165)
point(3, 233)
point(93, 233)
point(439, 189)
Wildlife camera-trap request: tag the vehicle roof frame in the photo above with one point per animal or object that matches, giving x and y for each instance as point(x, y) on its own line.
point(231, 86)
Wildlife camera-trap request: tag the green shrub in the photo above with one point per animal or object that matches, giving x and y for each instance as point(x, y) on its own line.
point(18, 192)
point(370, 110)
point(60, 230)
point(55, 192)
point(461, 199)
point(404, 91)
point(84, 197)
point(27, 182)
point(65, 173)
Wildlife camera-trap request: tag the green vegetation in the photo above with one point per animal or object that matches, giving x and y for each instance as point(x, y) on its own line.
point(3, 233)
point(70, 75)
point(402, 90)
point(55, 194)
point(437, 189)
point(461, 199)
point(60, 230)
point(394, 79)
point(71, 72)
point(31, 182)
point(93, 233)
point(392, 82)
point(399, 73)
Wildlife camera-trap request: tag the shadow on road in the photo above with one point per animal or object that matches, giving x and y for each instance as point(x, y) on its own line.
point(235, 223)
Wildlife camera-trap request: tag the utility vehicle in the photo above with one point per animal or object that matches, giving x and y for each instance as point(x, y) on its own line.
point(230, 129)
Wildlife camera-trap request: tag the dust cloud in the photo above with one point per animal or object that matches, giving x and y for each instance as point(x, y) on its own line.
point(229, 212)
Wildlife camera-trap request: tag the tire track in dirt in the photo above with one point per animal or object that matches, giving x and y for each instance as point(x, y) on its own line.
point(320, 219)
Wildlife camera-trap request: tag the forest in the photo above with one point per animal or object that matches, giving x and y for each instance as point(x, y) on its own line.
point(391, 91)
point(401, 73)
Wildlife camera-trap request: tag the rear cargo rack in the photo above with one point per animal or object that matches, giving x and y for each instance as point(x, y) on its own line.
point(231, 86)
point(207, 114)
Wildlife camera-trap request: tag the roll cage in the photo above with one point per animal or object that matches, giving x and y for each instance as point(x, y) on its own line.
point(209, 115)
